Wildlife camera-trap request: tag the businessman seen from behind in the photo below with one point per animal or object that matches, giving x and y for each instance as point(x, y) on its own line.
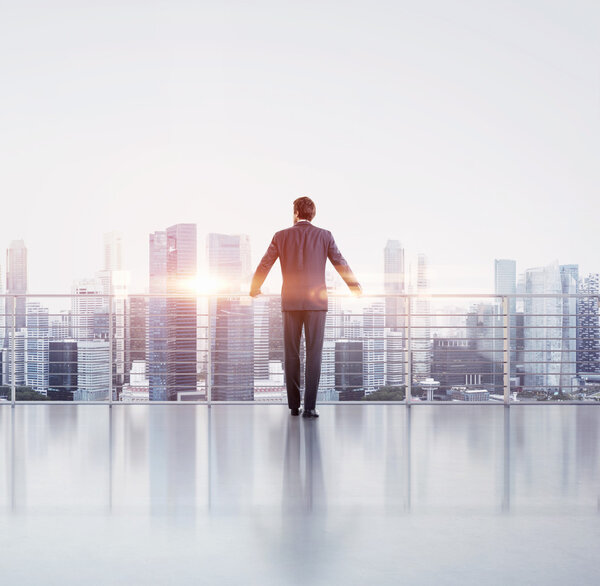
point(303, 251)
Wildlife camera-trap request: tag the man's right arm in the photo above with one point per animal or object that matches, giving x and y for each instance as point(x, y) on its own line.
point(264, 267)
point(342, 267)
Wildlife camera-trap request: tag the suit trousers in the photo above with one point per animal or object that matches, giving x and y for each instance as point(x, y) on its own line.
point(314, 330)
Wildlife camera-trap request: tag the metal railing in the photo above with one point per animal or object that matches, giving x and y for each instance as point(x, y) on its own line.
point(414, 349)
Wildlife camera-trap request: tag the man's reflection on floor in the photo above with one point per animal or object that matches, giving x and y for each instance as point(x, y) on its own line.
point(303, 483)
point(303, 500)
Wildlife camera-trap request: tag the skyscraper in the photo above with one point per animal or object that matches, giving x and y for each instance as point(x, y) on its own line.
point(484, 333)
point(61, 326)
point(588, 326)
point(261, 339)
point(16, 284)
point(394, 358)
point(182, 361)
point(157, 317)
point(349, 369)
point(137, 317)
point(113, 251)
point(232, 323)
point(569, 277)
point(543, 319)
point(93, 370)
point(86, 302)
point(505, 276)
point(62, 370)
point(505, 283)
point(421, 331)
point(229, 261)
point(19, 362)
point(333, 321)
point(373, 346)
point(36, 347)
point(115, 282)
point(275, 329)
point(393, 284)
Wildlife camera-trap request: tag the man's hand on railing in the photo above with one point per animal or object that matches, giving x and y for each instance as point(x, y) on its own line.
point(356, 290)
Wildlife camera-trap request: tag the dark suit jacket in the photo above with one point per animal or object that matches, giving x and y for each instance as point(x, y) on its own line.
point(303, 251)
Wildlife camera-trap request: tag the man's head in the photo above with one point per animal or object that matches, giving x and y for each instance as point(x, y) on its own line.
point(304, 209)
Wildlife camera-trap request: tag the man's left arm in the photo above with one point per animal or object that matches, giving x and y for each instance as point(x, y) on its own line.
point(264, 267)
point(342, 267)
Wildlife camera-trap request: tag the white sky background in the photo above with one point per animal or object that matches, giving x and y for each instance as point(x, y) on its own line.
point(467, 130)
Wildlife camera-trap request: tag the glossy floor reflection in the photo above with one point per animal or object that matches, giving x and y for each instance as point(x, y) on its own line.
point(239, 494)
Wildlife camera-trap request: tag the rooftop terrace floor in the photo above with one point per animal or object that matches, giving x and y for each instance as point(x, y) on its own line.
point(236, 494)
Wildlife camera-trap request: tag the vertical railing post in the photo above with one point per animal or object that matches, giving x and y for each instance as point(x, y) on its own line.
point(208, 352)
point(110, 350)
point(506, 348)
point(408, 398)
point(13, 353)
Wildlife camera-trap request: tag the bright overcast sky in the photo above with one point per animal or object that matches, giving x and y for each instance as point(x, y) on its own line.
point(467, 130)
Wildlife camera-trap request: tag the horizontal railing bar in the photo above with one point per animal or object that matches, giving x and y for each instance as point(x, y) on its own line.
point(331, 295)
point(267, 403)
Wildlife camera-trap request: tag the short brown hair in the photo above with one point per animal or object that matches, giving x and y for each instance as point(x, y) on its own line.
point(305, 208)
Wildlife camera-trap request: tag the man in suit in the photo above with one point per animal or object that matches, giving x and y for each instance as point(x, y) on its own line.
point(303, 251)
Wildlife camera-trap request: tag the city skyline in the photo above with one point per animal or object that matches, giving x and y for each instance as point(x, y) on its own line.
point(210, 282)
point(134, 350)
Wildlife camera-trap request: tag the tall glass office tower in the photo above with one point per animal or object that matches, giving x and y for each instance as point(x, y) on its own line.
point(157, 317)
point(182, 362)
point(232, 320)
point(115, 282)
point(16, 284)
point(505, 283)
point(569, 278)
point(421, 332)
point(393, 284)
point(543, 320)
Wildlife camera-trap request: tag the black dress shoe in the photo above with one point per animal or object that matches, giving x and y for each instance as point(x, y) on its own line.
point(311, 413)
point(296, 412)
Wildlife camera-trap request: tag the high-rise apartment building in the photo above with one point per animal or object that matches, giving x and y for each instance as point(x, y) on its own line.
point(18, 339)
point(373, 346)
point(349, 369)
point(394, 358)
point(36, 346)
point(588, 326)
point(93, 370)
